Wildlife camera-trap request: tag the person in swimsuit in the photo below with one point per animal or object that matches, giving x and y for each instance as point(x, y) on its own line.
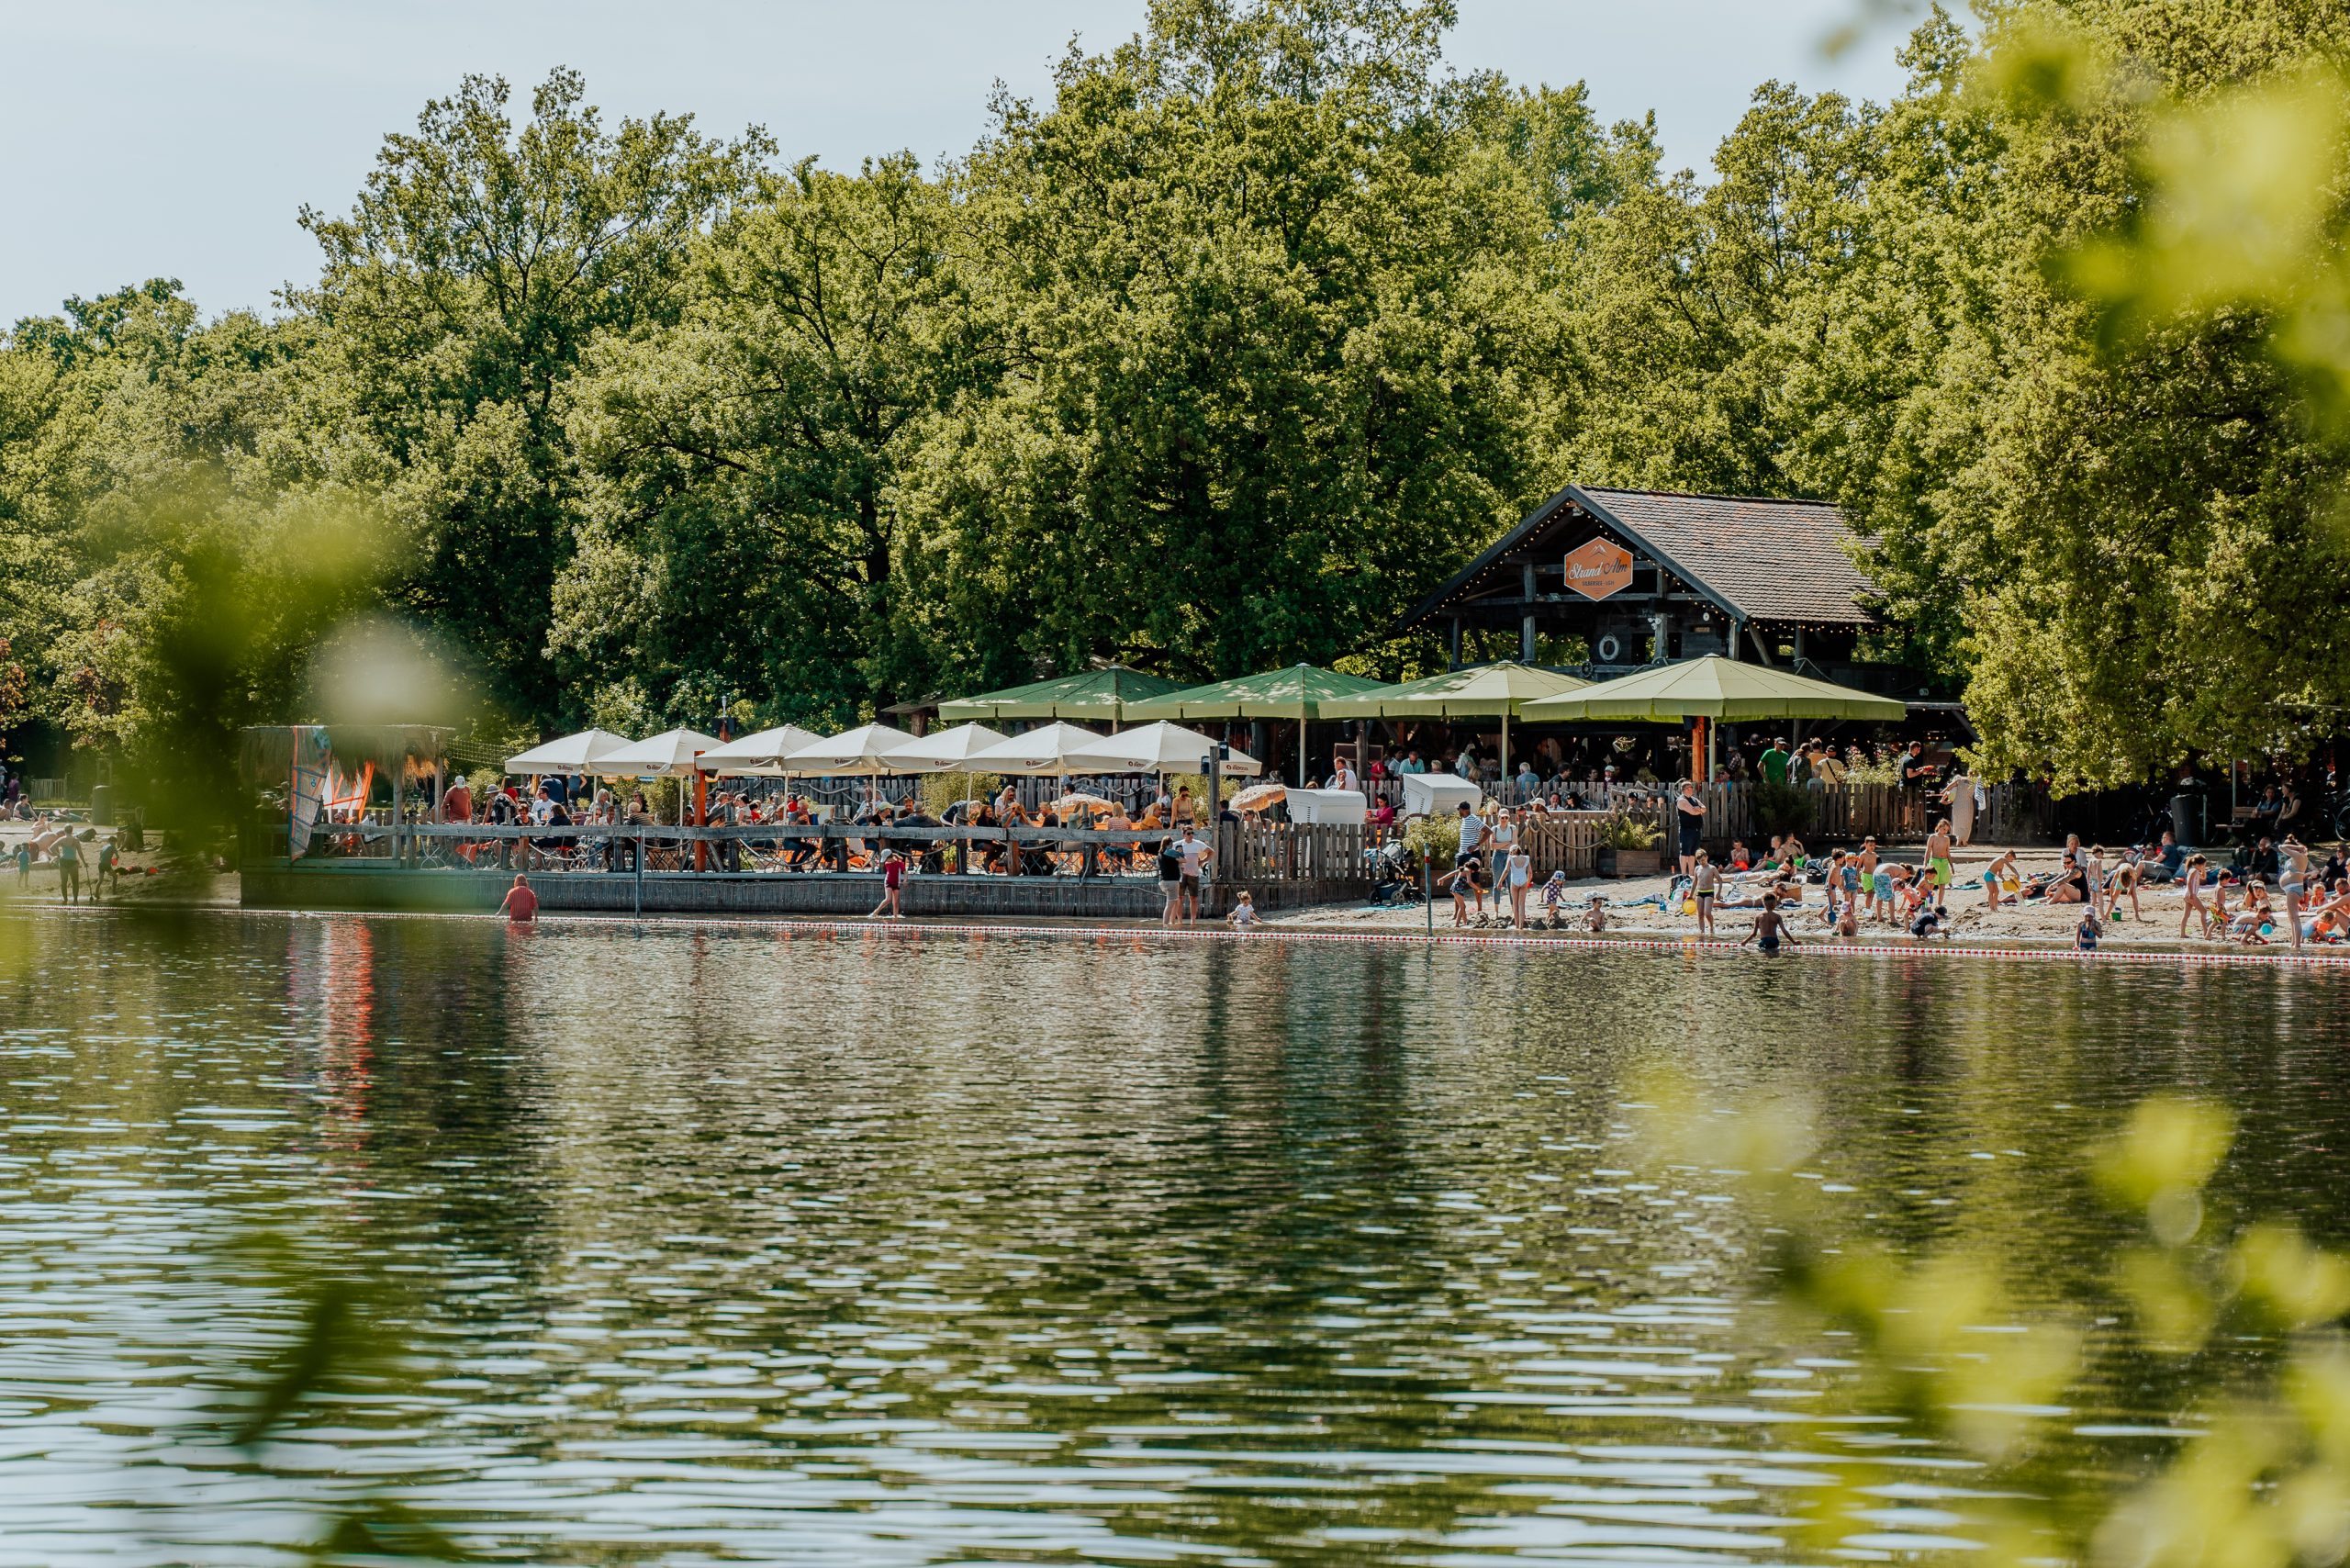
point(2294, 872)
point(2084, 934)
point(1995, 878)
point(1853, 873)
point(1938, 860)
point(1519, 869)
point(1596, 918)
point(893, 876)
point(1701, 881)
point(2197, 869)
point(1769, 929)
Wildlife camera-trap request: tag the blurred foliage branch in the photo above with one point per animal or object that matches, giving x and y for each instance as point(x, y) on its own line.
point(2245, 1316)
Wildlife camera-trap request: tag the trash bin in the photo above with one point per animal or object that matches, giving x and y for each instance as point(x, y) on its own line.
point(102, 804)
point(2183, 824)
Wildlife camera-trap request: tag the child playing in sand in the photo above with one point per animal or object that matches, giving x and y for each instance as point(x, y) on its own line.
point(1554, 901)
point(1994, 878)
point(1243, 912)
point(1596, 918)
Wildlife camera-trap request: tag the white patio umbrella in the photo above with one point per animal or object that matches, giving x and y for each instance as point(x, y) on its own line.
point(671, 752)
point(1040, 751)
point(866, 750)
point(761, 753)
point(1159, 749)
point(582, 752)
point(947, 750)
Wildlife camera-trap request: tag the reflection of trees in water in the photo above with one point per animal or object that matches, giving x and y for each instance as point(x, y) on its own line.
point(793, 1189)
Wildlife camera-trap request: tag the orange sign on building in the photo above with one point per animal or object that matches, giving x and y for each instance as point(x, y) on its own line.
point(1599, 567)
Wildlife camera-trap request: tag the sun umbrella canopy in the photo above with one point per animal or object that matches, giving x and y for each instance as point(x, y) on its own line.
point(1042, 750)
point(761, 753)
point(948, 749)
point(1256, 797)
point(671, 751)
point(1297, 692)
point(1079, 801)
point(1153, 748)
point(582, 752)
point(1097, 694)
point(1714, 687)
point(866, 749)
point(1487, 691)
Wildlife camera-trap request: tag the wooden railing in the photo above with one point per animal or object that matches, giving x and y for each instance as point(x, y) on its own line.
point(1338, 859)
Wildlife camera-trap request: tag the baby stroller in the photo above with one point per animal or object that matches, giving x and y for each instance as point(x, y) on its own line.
point(1396, 871)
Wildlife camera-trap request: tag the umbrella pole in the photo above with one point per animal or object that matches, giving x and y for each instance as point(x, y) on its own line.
point(1504, 749)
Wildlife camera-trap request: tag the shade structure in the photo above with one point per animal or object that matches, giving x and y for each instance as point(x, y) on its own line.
point(1259, 796)
point(671, 751)
point(1041, 751)
point(760, 754)
point(582, 752)
point(1101, 695)
point(1714, 687)
point(1486, 692)
point(1154, 748)
point(949, 750)
point(866, 750)
point(1296, 692)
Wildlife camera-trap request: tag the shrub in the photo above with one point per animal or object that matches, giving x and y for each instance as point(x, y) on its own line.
point(1624, 831)
point(1436, 840)
point(940, 790)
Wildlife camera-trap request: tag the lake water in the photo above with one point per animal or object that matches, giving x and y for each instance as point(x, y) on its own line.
point(716, 1245)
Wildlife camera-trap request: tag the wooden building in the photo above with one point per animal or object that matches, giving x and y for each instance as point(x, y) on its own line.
point(1610, 581)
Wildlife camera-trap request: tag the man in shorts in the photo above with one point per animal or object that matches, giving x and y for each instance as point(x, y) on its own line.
point(1473, 839)
point(1171, 881)
point(1193, 853)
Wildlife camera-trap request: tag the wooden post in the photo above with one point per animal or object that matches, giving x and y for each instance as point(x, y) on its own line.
point(701, 819)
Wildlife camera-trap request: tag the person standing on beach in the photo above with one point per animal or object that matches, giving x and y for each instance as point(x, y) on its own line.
point(1938, 860)
point(2197, 868)
point(69, 868)
point(1194, 854)
point(1701, 885)
point(1689, 810)
point(2293, 875)
point(1519, 869)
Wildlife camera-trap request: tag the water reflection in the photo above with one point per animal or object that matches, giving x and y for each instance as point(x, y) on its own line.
point(828, 1248)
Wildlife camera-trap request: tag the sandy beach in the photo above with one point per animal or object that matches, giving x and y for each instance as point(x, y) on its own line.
point(1635, 909)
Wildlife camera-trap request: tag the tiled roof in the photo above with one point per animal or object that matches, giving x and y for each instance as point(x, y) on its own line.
point(1771, 560)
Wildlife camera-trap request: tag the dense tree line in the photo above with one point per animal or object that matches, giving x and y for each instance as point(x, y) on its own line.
point(1218, 360)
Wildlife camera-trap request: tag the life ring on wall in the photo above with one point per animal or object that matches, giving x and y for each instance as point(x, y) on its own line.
point(1609, 649)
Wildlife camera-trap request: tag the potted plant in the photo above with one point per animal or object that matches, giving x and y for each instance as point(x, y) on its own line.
point(1628, 847)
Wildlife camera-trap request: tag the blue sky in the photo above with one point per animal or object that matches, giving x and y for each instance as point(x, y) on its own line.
point(178, 138)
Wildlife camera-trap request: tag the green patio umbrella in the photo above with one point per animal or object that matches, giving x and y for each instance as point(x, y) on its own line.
point(1714, 689)
point(1101, 695)
point(1486, 692)
point(1296, 694)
